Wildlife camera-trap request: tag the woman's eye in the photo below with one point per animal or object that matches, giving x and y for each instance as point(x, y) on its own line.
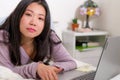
point(28, 14)
point(41, 19)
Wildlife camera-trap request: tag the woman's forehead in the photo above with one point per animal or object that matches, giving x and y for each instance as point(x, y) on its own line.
point(36, 8)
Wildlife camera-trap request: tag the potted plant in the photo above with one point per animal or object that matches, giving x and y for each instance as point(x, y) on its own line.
point(75, 24)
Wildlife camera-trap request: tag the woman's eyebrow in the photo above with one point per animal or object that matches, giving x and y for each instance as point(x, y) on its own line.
point(29, 10)
point(33, 12)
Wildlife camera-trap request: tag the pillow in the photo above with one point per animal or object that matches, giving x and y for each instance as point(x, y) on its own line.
point(7, 74)
point(2, 19)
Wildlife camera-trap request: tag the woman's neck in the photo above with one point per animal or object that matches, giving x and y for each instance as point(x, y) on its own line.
point(28, 45)
point(27, 42)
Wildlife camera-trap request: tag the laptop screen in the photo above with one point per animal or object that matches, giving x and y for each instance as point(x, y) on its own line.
point(109, 63)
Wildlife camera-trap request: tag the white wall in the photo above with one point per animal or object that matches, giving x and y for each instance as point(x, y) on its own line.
point(6, 7)
point(63, 11)
point(110, 17)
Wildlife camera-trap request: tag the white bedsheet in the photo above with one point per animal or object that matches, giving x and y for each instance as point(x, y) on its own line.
point(7, 74)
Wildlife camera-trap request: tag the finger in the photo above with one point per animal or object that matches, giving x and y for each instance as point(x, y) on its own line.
point(42, 78)
point(47, 77)
point(51, 77)
point(57, 70)
point(60, 69)
point(54, 75)
point(44, 75)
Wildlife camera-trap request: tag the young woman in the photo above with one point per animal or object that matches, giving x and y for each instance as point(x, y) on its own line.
point(27, 44)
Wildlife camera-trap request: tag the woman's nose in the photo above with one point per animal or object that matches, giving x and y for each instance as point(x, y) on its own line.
point(33, 22)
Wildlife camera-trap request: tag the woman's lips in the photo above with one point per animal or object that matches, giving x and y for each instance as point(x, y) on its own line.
point(31, 30)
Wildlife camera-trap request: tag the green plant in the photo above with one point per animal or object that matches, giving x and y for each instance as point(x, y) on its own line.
point(75, 20)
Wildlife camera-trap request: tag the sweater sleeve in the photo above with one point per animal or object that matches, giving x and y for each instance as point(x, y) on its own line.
point(26, 71)
point(61, 56)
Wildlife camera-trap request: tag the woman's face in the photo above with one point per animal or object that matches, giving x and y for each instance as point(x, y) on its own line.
point(32, 21)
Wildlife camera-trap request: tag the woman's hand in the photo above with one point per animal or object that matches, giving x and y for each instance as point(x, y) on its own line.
point(47, 72)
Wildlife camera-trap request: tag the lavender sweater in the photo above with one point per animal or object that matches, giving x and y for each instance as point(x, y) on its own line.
point(61, 58)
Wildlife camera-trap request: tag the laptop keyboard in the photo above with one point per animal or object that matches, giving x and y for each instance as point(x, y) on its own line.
point(88, 76)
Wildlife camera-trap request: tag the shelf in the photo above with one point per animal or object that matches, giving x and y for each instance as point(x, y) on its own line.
point(81, 49)
point(94, 32)
point(70, 39)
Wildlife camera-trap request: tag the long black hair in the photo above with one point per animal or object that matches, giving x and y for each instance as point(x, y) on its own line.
point(43, 43)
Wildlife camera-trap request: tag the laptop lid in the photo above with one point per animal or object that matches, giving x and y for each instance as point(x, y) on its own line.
point(109, 63)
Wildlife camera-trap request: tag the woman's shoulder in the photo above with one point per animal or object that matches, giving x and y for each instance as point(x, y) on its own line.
point(54, 36)
point(2, 31)
point(2, 34)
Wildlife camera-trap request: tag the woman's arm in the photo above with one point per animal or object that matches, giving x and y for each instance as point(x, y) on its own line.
point(26, 71)
point(61, 56)
point(34, 70)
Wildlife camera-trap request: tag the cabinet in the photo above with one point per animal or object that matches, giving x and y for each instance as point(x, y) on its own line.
point(70, 37)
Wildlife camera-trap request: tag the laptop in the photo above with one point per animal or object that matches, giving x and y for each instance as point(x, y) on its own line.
point(109, 63)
